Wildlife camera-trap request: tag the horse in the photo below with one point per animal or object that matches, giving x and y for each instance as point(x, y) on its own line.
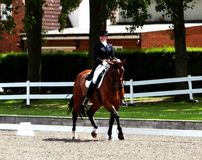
point(109, 95)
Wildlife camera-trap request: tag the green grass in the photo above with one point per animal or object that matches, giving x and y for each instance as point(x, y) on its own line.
point(37, 107)
point(171, 49)
point(147, 110)
point(162, 110)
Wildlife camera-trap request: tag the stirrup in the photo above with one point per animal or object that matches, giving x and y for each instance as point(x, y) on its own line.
point(85, 101)
point(123, 103)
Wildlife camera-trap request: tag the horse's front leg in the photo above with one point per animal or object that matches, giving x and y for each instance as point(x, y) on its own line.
point(116, 116)
point(111, 122)
point(74, 119)
point(90, 114)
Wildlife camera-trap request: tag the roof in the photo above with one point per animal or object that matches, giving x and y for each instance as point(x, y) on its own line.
point(51, 13)
point(122, 29)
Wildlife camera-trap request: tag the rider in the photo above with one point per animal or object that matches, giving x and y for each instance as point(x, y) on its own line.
point(102, 50)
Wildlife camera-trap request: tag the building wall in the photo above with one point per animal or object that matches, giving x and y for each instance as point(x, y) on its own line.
point(50, 21)
point(11, 42)
point(74, 18)
point(80, 17)
point(80, 43)
point(148, 40)
point(156, 39)
point(163, 38)
point(195, 13)
point(194, 36)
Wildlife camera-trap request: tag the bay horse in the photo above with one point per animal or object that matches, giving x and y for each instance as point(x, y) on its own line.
point(109, 95)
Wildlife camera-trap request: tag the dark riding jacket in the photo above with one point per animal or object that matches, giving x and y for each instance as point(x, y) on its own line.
point(101, 52)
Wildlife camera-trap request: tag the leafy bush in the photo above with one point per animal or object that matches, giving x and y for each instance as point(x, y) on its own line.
point(140, 64)
point(13, 67)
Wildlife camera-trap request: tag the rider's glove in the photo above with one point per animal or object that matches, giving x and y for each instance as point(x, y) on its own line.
point(104, 63)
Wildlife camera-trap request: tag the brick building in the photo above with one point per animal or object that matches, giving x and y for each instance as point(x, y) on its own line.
point(76, 39)
point(162, 38)
point(10, 42)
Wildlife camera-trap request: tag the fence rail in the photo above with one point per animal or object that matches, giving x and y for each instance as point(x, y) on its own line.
point(131, 84)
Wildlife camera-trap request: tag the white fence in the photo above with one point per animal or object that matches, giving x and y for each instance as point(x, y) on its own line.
point(28, 96)
point(189, 79)
point(131, 95)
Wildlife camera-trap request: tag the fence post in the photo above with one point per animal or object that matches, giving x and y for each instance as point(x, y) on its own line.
point(131, 91)
point(28, 93)
point(190, 88)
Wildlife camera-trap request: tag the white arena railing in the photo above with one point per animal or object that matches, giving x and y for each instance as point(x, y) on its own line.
point(131, 84)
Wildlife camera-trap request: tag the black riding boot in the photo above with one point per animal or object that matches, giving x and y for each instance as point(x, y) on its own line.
point(91, 88)
point(89, 77)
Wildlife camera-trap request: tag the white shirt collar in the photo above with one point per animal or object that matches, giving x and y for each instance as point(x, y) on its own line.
point(104, 43)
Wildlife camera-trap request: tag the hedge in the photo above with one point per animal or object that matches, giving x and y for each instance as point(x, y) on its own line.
point(140, 65)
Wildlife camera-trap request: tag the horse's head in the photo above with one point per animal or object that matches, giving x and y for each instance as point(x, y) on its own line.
point(117, 72)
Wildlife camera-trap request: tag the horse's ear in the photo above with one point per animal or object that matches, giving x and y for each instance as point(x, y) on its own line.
point(124, 61)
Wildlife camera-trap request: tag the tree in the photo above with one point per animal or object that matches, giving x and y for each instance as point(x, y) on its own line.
point(33, 29)
point(138, 10)
point(98, 16)
point(175, 9)
point(100, 10)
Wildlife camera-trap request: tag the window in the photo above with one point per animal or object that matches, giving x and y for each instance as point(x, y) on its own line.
point(5, 11)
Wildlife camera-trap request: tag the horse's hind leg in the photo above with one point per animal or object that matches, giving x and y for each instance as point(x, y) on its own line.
point(75, 113)
point(74, 119)
point(90, 114)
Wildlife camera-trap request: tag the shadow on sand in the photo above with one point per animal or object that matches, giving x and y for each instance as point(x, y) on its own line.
point(71, 140)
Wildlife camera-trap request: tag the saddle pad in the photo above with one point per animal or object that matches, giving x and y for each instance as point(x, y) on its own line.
point(98, 76)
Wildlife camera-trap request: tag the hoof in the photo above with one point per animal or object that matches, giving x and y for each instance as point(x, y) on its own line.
point(94, 134)
point(121, 137)
point(74, 136)
point(110, 138)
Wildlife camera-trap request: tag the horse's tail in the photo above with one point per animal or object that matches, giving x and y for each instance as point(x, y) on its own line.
point(82, 111)
point(70, 105)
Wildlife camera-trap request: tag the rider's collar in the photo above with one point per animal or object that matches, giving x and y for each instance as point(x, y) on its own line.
point(104, 43)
